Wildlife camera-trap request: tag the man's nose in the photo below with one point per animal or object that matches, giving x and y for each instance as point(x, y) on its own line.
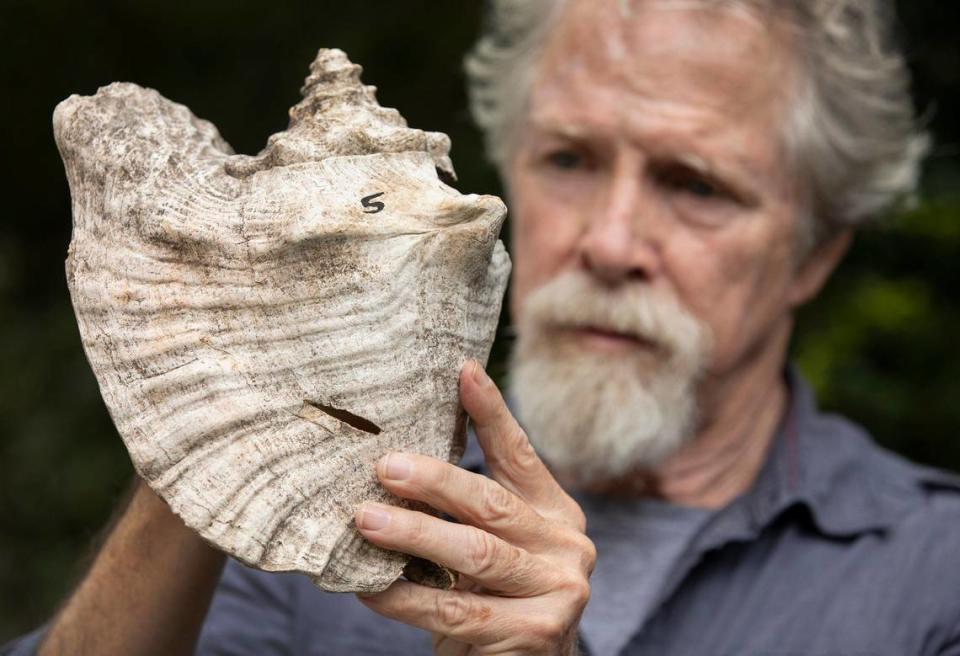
point(617, 243)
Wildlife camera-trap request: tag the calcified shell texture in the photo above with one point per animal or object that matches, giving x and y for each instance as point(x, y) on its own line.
point(264, 328)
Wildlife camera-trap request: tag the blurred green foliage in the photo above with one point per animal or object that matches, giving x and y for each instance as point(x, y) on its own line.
point(880, 342)
point(879, 345)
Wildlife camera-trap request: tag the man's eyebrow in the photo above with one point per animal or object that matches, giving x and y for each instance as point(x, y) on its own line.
point(555, 126)
point(701, 164)
point(738, 179)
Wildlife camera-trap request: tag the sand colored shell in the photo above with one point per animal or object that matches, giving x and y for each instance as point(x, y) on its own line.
point(264, 328)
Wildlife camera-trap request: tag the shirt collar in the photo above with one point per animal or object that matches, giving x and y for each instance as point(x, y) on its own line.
point(831, 467)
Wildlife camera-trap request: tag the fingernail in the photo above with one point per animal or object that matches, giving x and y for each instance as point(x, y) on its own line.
point(480, 376)
point(396, 467)
point(373, 518)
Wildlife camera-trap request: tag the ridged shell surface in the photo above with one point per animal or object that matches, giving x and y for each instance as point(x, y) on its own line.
point(264, 328)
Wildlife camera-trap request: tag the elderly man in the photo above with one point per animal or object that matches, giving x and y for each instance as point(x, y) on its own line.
point(683, 175)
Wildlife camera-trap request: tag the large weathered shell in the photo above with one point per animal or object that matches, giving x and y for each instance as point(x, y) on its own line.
point(264, 328)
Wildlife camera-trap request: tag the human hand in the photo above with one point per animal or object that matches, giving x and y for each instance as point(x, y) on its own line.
point(520, 548)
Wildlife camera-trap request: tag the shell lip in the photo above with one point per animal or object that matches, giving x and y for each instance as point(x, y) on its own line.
point(487, 210)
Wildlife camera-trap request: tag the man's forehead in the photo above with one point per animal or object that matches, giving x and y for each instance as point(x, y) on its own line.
point(665, 68)
point(759, 13)
point(719, 44)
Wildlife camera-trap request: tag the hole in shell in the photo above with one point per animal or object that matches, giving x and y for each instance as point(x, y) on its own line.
point(446, 178)
point(347, 417)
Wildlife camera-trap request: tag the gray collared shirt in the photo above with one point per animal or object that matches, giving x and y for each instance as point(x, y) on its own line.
point(840, 548)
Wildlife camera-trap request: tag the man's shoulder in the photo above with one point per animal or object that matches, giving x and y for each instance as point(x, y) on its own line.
point(855, 487)
point(914, 512)
point(922, 542)
point(914, 489)
point(907, 492)
point(926, 498)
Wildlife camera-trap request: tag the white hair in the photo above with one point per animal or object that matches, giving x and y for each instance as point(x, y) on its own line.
point(852, 133)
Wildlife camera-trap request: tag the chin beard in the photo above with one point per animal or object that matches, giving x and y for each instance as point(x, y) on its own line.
point(595, 416)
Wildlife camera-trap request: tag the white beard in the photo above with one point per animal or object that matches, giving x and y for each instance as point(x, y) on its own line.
point(596, 416)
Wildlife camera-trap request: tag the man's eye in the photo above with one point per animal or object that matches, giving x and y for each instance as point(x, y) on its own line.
point(565, 159)
point(693, 185)
point(700, 189)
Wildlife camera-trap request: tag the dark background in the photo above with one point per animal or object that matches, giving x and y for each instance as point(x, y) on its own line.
point(879, 344)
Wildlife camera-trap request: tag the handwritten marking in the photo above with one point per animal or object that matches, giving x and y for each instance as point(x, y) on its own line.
point(372, 207)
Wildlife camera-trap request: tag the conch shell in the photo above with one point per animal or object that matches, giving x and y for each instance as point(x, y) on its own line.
point(264, 328)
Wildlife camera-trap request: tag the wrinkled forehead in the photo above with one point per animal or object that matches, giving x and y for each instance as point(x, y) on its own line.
point(642, 46)
point(624, 23)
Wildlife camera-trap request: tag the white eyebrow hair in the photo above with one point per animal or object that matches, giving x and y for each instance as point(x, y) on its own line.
point(549, 123)
point(699, 163)
point(739, 180)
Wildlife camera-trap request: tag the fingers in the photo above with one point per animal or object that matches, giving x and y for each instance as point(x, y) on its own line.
point(521, 541)
point(498, 566)
point(481, 620)
point(464, 616)
point(511, 458)
point(478, 501)
point(471, 498)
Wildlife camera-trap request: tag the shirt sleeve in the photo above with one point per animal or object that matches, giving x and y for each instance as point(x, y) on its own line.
point(25, 645)
point(252, 614)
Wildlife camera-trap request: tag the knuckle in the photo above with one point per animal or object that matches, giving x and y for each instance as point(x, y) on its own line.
point(455, 611)
point(569, 513)
point(416, 530)
point(578, 546)
point(525, 459)
point(494, 505)
point(483, 553)
point(578, 518)
point(579, 590)
point(430, 477)
point(574, 585)
point(548, 629)
point(430, 474)
point(588, 554)
point(581, 520)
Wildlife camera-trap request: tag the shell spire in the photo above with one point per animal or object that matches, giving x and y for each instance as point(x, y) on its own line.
point(339, 115)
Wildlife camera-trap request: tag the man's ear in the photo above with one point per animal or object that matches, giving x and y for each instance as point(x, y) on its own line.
point(816, 267)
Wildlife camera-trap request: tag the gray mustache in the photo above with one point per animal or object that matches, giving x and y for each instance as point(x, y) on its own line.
point(573, 300)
